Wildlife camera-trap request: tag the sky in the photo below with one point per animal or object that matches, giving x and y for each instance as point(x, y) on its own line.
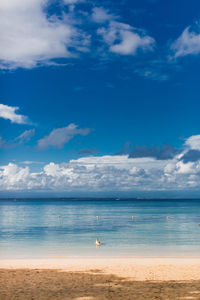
point(100, 97)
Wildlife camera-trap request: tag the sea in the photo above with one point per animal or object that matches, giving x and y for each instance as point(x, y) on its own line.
point(68, 227)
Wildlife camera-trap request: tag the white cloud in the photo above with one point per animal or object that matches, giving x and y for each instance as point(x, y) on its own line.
point(100, 15)
point(105, 173)
point(60, 136)
point(95, 174)
point(28, 36)
point(31, 36)
point(131, 42)
point(187, 43)
point(187, 168)
point(9, 113)
point(124, 39)
point(193, 142)
point(14, 177)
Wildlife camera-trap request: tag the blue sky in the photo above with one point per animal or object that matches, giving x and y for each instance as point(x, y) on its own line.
point(98, 85)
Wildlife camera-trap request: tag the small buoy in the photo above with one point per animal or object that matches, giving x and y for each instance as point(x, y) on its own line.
point(98, 243)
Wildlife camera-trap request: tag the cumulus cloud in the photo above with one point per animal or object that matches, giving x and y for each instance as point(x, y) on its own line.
point(191, 156)
point(9, 113)
point(191, 152)
point(60, 136)
point(87, 173)
point(193, 142)
point(108, 173)
point(123, 39)
point(29, 36)
point(104, 173)
point(14, 177)
point(187, 43)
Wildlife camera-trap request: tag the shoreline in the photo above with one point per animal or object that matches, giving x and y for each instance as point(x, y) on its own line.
point(137, 268)
point(100, 278)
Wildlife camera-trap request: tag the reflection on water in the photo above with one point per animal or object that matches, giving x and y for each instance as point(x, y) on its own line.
point(47, 228)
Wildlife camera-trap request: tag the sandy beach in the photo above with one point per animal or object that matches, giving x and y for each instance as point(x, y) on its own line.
point(100, 278)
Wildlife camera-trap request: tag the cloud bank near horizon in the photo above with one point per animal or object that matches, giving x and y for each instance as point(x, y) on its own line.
point(109, 173)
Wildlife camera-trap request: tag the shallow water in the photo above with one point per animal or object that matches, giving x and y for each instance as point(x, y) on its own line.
point(59, 228)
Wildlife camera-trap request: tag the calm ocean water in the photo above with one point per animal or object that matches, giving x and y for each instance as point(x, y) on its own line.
point(59, 228)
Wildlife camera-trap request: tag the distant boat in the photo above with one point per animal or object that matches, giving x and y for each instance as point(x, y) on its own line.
point(117, 199)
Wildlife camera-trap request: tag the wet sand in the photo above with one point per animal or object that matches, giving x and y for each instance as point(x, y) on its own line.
point(104, 278)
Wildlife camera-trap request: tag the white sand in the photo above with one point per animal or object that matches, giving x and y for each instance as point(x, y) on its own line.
point(139, 268)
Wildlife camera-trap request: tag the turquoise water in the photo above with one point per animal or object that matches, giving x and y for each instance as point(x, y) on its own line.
point(60, 228)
